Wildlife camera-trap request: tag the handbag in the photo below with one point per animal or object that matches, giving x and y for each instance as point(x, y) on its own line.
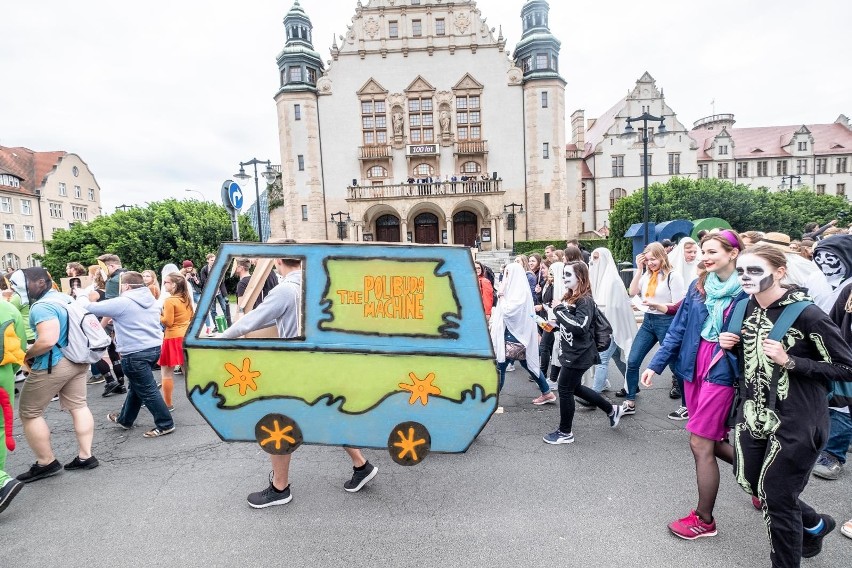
point(516, 351)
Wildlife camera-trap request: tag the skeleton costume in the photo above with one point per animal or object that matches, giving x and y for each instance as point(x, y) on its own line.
point(775, 448)
point(833, 256)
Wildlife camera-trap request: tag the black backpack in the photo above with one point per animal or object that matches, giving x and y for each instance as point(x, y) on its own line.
point(602, 330)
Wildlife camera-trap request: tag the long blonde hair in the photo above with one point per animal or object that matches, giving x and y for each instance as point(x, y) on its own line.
point(657, 251)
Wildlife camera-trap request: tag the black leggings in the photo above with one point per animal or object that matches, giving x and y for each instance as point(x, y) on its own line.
point(570, 385)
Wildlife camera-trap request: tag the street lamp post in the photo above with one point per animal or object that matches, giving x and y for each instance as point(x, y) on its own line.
point(791, 178)
point(123, 207)
point(269, 174)
point(645, 118)
point(341, 224)
point(511, 219)
point(198, 192)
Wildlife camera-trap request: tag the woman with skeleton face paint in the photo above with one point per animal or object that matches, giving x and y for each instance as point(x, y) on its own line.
point(706, 370)
point(783, 422)
point(577, 352)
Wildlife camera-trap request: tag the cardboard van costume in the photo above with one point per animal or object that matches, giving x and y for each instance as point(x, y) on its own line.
point(393, 352)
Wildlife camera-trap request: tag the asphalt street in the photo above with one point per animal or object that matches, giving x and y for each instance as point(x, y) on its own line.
point(511, 500)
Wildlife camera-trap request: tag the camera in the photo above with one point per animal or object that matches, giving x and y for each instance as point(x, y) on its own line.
point(842, 214)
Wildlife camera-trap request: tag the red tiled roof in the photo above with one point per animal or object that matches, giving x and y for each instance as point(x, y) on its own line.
point(768, 141)
point(586, 172)
point(30, 166)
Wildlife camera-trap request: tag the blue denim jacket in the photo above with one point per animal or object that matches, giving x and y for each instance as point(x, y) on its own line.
point(684, 337)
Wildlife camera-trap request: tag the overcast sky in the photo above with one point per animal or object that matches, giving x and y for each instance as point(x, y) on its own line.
point(163, 96)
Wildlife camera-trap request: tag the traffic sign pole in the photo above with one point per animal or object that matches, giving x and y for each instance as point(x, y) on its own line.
point(232, 199)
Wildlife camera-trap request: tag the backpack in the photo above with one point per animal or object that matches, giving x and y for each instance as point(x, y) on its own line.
point(85, 340)
point(602, 330)
point(11, 350)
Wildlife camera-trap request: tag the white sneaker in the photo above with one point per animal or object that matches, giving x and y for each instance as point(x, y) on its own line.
point(510, 368)
point(615, 417)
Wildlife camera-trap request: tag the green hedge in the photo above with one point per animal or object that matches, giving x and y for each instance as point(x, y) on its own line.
point(525, 247)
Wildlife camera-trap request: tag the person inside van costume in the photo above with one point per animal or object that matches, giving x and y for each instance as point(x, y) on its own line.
point(282, 308)
point(13, 340)
point(783, 421)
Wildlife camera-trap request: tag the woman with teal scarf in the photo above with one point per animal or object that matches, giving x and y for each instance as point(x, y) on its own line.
point(708, 372)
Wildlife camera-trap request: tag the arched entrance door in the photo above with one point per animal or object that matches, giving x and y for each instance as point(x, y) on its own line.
point(464, 228)
point(426, 229)
point(387, 228)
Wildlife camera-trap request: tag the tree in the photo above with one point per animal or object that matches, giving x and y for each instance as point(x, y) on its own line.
point(746, 209)
point(146, 237)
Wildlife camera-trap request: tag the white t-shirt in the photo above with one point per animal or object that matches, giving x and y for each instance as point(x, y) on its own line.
point(670, 289)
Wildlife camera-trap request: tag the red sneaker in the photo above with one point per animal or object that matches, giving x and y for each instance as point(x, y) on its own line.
point(691, 527)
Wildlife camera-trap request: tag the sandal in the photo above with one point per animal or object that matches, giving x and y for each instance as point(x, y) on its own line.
point(157, 432)
point(846, 529)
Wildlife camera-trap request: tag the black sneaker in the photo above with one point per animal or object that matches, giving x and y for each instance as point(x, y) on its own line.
point(361, 478)
point(89, 463)
point(623, 392)
point(674, 392)
point(269, 497)
point(38, 471)
point(112, 387)
point(584, 403)
point(8, 492)
point(812, 543)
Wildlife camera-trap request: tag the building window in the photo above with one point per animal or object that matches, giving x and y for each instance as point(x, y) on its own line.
point(32, 262)
point(78, 192)
point(297, 112)
point(541, 61)
point(821, 165)
point(617, 166)
point(312, 76)
point(79, 213)
point(295, 74)
point(722, 170)
point(11, 261)
point(26, 207)
point(781, 167)
point(374, 122)
point(377, 172)
point(424, 170)
point(63, 191)
point(421, 120)
point(545, 150)
point(583, 198)
point(300, 159)
point(841, 190)
point(547, 201)
point(526, 64)
point(703, 171)
point(91, 194)
point(820, 189)
point(29, 233)
point(9, 231)
point(841, 166)
point(471, 167)
point(544, 99)
point(393, 29)
point(55, 210)
point(762, 168)
point(415, 2)
point(742, 169)
point(674, 164)
point(416, 28)
point(5, 204)
point(10, 181)
point(440, 28)
point(615, 195)
point(723, 150)
point(642, 163)
point(801, 167)
point(803, 146)
point(468, 117)
point(304, 212)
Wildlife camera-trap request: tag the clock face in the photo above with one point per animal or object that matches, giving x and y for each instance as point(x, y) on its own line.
point(75, 171)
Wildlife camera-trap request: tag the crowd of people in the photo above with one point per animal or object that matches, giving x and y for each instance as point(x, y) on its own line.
point(756, 329)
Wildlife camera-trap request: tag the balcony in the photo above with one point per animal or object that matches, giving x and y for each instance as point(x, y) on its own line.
point(472, 147)
point(374, 152)
point(471, 186)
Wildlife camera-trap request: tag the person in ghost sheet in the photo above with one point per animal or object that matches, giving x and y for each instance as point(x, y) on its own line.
point(833, 256)
point(783, 421)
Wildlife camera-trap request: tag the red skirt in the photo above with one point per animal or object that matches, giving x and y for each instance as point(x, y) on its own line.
point(172, 352)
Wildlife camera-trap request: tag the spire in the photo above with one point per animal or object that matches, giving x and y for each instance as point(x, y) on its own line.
point(299, 65)
point(537, 54)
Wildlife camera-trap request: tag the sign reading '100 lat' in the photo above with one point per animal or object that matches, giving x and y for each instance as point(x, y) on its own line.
point(421, 149)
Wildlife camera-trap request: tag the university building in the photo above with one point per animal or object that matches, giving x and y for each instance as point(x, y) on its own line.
point(41, 192)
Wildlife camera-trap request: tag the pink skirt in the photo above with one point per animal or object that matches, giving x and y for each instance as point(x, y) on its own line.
point(708, 403)
point(171, 353)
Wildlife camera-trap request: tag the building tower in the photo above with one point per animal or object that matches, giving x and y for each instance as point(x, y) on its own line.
point(299, 68)
point(548, 199)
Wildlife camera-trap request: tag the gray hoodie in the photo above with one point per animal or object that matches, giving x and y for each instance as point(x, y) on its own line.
point(136, 318)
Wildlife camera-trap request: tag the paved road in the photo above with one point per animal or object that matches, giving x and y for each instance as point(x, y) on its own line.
point(511, 500)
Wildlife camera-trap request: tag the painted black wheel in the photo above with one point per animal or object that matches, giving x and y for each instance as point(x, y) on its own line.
point(409, 443)
point(278, 434)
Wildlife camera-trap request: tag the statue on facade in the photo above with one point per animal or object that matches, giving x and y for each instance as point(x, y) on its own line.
point(444, 121)
point(397, 124)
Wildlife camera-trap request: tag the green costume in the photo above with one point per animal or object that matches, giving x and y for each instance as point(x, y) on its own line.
point(13, 338)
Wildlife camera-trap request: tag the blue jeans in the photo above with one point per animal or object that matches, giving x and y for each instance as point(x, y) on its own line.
point(539, 378)
point(601, 370)
point(652, 331)
point(142, 388)
point(839, 436)
point(223, 303)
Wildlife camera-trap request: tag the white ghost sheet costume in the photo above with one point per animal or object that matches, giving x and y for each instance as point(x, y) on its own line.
point(514, 311)
point(167, 269)
point(611, 297)
point(805, 273)
point(689, 270)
